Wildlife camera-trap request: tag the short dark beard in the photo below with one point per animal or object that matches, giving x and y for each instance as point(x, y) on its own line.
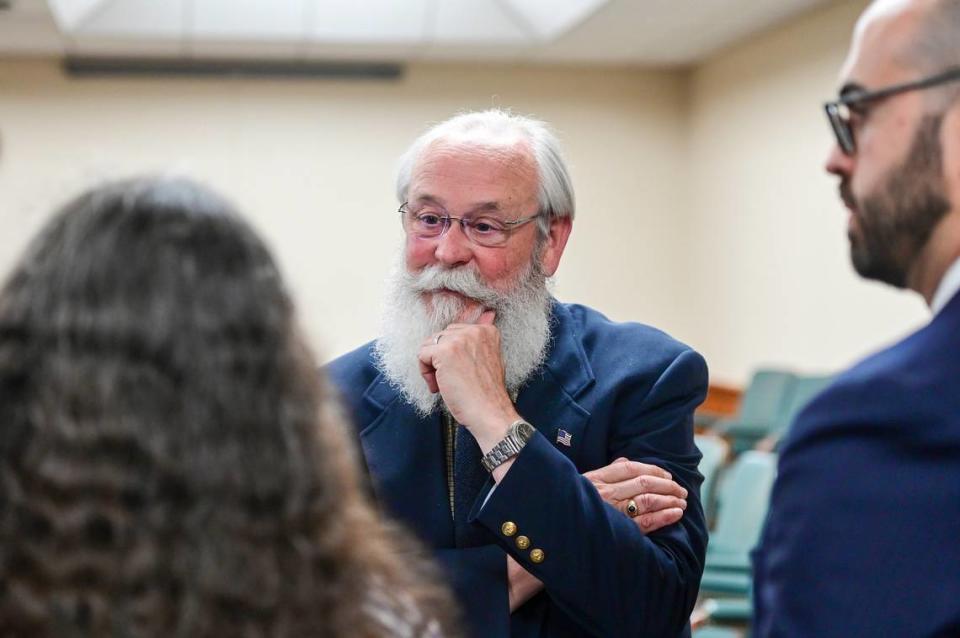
point(896, 222)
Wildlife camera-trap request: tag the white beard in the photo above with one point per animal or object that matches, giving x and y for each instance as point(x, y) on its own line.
point(523, 318)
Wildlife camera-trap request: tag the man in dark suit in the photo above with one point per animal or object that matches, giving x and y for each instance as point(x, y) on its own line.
point(543, 452)
point(863, 534)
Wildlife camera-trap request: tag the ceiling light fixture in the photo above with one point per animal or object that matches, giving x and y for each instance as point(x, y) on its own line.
point(549, 19)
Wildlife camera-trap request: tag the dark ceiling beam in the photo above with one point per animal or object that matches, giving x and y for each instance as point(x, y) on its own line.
point(93, 66)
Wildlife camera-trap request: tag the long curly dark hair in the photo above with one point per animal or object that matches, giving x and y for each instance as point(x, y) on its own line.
point(170, 462)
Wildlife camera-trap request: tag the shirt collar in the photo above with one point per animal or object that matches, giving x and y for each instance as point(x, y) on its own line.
point(948, 287)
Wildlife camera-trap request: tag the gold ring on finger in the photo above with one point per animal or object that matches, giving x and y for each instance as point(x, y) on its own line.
point(632, 509)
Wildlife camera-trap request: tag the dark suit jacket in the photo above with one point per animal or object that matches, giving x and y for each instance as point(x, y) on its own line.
point(619, 390)
point(863, 534)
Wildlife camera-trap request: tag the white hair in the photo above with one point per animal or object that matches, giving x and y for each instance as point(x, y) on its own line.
point(498, 127)
point(523, 317)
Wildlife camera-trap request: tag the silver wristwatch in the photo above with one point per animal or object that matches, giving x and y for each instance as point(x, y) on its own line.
point(509, 446)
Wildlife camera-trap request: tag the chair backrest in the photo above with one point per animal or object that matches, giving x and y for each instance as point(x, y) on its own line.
point(804, 389)
point(716, 631)
point(764, 399)
point(743, 501)
point(714, 450)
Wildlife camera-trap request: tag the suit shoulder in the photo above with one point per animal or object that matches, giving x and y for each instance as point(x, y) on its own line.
point(907, 392)
point(355, 369)
point(618, 345)
point(898, 370)
point(853, 393)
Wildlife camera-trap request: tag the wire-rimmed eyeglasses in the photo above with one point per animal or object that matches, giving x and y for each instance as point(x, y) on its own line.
point(838, 111)
point(483, 230)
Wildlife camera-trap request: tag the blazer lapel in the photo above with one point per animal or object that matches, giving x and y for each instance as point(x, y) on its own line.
point(405, 454)
point(549, 398)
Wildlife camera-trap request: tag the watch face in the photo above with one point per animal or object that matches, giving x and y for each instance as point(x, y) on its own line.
point(524, 431)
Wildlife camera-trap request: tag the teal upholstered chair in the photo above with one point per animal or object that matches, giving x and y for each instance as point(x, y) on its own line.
point(714, 451)
point(761, 408)
point(805, 388)
point(712, 631)
point(741, 509)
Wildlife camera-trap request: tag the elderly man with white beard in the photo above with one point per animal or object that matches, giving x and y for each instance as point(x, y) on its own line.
point(543, 452)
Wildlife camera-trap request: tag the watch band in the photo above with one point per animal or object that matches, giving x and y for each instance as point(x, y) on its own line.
point(509, 446)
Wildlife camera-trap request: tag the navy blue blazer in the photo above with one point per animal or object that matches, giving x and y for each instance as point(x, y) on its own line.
point(863, 534)
point(618, 390)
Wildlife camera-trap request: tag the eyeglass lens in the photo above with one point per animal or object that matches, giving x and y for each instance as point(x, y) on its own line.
point(840, 123)
point(483, 231)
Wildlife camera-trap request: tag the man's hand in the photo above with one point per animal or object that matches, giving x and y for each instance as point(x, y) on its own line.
point(660, 501)
point(521, 584)
point(462, 362)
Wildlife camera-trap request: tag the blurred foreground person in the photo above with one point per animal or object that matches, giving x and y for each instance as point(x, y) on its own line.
point(863, 535)
point(169, 463)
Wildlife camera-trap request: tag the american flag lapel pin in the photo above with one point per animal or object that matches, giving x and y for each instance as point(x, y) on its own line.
point(564, 438)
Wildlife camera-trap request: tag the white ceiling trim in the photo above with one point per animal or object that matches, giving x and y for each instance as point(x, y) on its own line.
point(455, 22)
point(596, 32)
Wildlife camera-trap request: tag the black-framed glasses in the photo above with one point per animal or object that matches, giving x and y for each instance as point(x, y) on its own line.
point(482, 229)
point(838, 111)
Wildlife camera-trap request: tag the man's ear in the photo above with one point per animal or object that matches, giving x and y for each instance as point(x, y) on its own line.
point(560, 228)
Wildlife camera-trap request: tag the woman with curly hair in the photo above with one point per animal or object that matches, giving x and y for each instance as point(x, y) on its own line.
point(170, 463)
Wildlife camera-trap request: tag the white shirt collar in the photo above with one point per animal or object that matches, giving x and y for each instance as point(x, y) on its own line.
point(947, 288)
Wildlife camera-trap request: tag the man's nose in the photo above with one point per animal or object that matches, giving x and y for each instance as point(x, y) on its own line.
point(453, 247)
point(839, 163)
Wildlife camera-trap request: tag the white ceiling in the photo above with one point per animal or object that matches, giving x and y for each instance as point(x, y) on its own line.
point(643, 32)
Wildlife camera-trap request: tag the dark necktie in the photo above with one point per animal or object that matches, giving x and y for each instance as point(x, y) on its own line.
point(469, 478)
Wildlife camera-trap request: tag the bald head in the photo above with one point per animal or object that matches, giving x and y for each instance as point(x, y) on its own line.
point(913, 38)
point(934, 44)
point(932, 39)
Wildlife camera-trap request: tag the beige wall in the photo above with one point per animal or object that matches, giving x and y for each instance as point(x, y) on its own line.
point(312, 163)
point(703, 208)
point(773, 281)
